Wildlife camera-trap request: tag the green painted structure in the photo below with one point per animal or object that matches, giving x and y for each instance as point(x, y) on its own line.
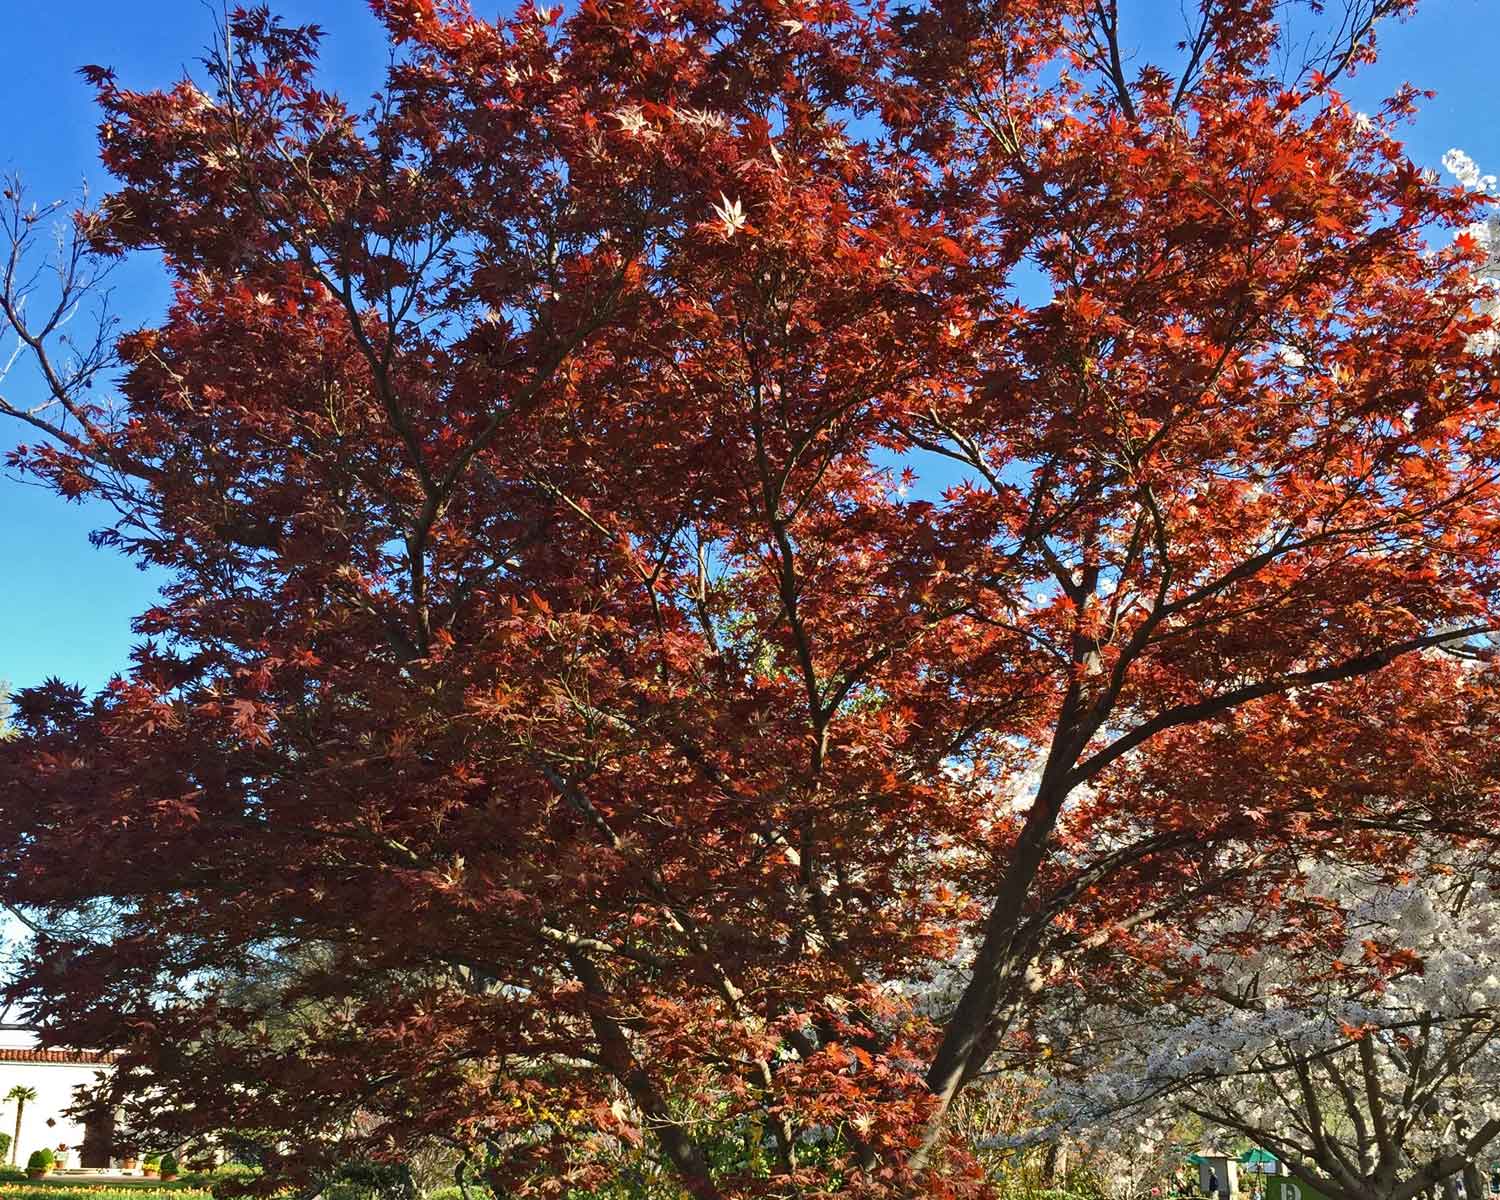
point(1284, 1187)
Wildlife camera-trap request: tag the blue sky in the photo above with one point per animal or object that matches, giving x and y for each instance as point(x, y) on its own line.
point(65, 608)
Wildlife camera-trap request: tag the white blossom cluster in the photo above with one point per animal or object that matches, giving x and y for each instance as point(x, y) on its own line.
point(1486, 233)
point(1294, 1051)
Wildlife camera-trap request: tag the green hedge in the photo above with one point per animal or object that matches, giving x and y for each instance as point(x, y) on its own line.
point(46, 1189)
point(72, 1189)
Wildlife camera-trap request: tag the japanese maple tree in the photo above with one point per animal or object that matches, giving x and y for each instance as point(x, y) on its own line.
point(684, 517)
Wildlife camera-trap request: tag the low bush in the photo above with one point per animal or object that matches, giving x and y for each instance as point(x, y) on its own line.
point(225, 1179)
point(369, 1181)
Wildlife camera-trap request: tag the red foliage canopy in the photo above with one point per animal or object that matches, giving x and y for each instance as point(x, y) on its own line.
point(686, 516)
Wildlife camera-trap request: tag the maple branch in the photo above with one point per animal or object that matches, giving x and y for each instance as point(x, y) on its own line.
point(79, 274)
point(1350, 40)
point(788, 588)
point(1034, 532)
point(686, 1155)
point(1185, 714)
point(686, 926)
point(801, 856)
point(1002, 950)
point(1029, 941)
point(18, 224)
point(1108, 13)
point(1200, 43)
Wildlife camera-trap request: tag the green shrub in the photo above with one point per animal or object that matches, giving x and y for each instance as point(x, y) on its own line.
point(369, 1181)
point(227, 1178)
point(151, 1160)
point(40, 1160)
point(169, 1163)
point(12, 1175)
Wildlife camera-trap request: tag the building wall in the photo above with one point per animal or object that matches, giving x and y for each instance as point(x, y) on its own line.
point(55, 1084)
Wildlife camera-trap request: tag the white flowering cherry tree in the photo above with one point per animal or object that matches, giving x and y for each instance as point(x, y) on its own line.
point(1485, 233)
point(1367, 1057)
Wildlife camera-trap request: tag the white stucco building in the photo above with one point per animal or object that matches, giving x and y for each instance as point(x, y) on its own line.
point(55, 1075)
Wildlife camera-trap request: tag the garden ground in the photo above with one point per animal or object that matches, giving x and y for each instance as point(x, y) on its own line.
point(68, 1189)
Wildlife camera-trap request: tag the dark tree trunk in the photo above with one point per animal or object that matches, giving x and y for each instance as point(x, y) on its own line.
point(98, 1138)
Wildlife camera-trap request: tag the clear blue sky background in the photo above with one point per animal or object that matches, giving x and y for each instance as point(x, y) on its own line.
point(65, 608)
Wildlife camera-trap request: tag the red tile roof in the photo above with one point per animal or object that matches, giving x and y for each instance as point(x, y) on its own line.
point(76, 1057)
